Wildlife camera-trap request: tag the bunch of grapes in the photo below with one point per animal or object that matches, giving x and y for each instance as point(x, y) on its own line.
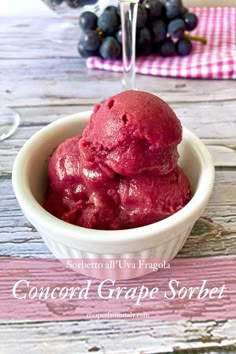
point(74, 4)
point(161, 28)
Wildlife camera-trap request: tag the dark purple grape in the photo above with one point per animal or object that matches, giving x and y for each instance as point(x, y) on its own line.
point(119, 36)
point(144, 41)
point(167, 48)
point(79, 3)
point(176, 28)
point(118, 9)
point(154, 8)
point(190, 20)
point(109, 22)
point(112, 8)
point(184, 11)
point(84, 53)
point(57, 2)
point(91, 40)
point(184, 47)
point(173, 8)
point(73, 3)
point(88, 20)
point(159, 31)
point(141, 16)
point(110, 48)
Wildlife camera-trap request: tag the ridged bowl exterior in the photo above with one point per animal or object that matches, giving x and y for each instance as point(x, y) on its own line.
point(165, 251)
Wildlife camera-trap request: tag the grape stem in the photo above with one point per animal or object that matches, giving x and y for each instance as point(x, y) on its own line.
point(196, 38)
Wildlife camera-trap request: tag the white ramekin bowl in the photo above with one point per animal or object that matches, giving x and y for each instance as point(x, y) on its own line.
point(160, 240)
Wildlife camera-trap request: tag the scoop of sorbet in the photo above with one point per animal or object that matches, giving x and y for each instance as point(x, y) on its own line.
point(133, 133)
point(122, 172)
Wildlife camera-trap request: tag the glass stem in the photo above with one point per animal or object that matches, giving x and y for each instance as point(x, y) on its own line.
point(128, 10)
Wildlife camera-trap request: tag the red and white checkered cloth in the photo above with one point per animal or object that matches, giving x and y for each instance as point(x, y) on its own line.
point(215, 60)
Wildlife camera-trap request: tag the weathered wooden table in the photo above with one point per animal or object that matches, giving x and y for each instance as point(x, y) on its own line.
point(42, 77)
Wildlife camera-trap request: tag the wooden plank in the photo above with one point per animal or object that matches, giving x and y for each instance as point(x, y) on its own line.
point(210, 121)
point(214, 126)
point(216, 231)
point(50, 47)
point(60, 81)
point(43, 38)
point(222, 152)
point(119, 337)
